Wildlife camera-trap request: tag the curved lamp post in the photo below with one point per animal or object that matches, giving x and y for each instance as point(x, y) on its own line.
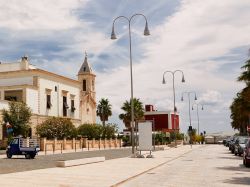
point(164, 82)
point(195, 98)
point(113, 37)
point(197, 112)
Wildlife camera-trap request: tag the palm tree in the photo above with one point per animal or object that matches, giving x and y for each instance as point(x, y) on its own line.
point(239, 113)
point(245, 76)
point(240, 108)
point(138, 112)
point(104, 110)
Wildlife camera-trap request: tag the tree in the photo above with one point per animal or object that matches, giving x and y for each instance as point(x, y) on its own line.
point(56, 127)
point(18, 116)
point(138, 112)
point(104, 110)
point(240, 107)
point(110, 130)
point(97, 131)
point(239, 113)
point(90, 131)
point(245, 75)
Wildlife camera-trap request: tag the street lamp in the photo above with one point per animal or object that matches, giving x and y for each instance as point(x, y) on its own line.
point(197, 112)
point(113, 37)
point(195, 98)
point(164, 82)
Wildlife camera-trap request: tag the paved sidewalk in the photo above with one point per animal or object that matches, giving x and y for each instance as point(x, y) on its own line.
point(108, 173)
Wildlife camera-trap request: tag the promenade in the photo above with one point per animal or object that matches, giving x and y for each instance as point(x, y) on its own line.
point(108, 173)
point(203, 165)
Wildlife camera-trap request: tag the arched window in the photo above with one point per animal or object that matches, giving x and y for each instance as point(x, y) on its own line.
point(84, 85)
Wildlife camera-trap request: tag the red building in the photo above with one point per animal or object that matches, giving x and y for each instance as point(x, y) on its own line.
point(163, 120)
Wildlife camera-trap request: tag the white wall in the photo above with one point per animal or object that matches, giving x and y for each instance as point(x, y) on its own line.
point(55, 96)
point(10, 67)
point(4, 105)
point(16, 81)
point(32, 99)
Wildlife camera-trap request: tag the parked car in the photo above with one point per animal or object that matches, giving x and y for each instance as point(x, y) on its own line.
point(232, 143)
point(228, 140)
point(224, 141)
point(21, 146)
point(246, 154)
point(240, 144)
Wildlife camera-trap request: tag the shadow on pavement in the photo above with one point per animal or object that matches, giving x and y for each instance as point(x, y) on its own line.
point(239, 180)
point(232, 158)
point(240, 167)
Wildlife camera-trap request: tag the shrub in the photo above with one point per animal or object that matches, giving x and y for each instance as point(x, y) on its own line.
point(97, 131)
point(109, 131)
point(160, 138)
point(56, 127)
point(90, 131)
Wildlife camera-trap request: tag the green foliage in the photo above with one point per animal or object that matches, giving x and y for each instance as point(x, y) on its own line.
point(18, 117)
point(240, 107)
point(104, 110)
point(138, 112)
point(179, 136)
point(56, 127)
point(90, 131)
point(97, 131)
point(160, 138)
point(126, 140)
point(109, 131)
point(192, 135)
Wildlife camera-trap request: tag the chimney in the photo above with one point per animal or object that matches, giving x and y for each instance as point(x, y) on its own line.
point(25, 63)
point(149, 108)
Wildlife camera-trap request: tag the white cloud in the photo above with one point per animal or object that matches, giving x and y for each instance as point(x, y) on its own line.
point(39, 15)
point(189, 40)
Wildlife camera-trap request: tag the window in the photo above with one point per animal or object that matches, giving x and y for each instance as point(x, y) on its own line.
point(55, 88)
point(84, 85)
point(49, 105)
point(73, 106)
point(10, 98)
point(15, 141)
point(65, 106)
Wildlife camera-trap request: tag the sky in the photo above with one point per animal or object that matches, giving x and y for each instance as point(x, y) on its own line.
point(207, 40)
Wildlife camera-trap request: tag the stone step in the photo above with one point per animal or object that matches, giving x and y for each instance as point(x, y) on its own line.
point(77, 162)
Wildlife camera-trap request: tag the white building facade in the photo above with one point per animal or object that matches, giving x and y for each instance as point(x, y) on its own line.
point(48, 94)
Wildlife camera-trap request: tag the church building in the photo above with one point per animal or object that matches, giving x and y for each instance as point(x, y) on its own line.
point(48, 94)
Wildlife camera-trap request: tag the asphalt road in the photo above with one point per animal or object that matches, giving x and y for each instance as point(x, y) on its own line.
point(18, 164)
point(208, 166)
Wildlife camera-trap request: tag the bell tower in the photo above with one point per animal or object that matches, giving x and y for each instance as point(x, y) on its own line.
point(86, 77)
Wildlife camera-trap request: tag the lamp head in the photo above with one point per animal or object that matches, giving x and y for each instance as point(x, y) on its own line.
point(146, 30)
point(113, 36)
point(183, 79)
point(195, 97)
point(163, 80)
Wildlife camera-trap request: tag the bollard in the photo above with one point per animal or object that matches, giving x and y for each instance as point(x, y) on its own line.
point(45, 149)
point(88, 145)
point(53, 148)
point(75, 146)
point(61, 147)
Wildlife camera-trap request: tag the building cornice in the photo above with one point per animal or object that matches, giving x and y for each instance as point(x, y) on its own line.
point(37, 72)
